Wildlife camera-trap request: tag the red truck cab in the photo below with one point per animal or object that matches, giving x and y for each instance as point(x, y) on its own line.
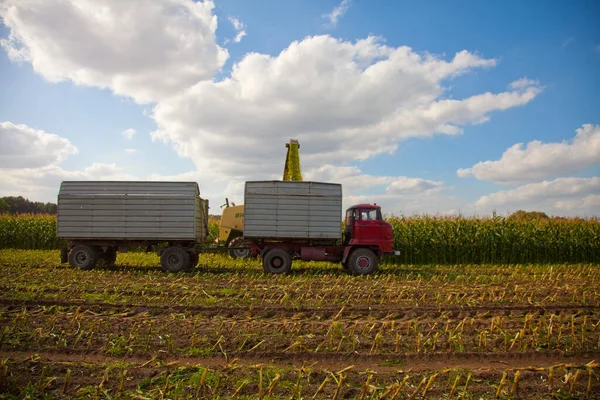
point(366, 235)
point(365, 226)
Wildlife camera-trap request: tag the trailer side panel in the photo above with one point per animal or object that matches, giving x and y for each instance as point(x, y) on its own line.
point(128, 210)
point(292, 210)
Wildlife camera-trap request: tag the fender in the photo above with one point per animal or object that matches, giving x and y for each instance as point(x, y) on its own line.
point(346, 253)
point(263, 252)
point(377, 250)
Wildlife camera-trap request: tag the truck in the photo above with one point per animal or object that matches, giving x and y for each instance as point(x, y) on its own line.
point(283, 221)
point(287, 220)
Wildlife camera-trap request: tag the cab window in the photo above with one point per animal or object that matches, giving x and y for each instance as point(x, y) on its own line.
point(371, 215)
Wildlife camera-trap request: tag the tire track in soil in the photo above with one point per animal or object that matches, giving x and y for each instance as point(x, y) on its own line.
point(382, 363)
point(387, 312)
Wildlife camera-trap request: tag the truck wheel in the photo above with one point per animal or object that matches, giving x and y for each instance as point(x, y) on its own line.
point(362, 262)
point(239, 253)
point(277, 261)
point(83, 257)
point(174, 259)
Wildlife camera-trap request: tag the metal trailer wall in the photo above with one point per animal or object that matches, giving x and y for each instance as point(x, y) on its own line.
point(292, 210)
point(128, 210)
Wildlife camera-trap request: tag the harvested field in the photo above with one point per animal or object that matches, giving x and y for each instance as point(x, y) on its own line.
point(227, 330)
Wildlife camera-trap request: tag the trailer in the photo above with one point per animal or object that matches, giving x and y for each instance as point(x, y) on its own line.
point(286, 220)
point(96, 219)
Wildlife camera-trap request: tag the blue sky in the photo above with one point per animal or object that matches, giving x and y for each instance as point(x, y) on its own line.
point(413, 105)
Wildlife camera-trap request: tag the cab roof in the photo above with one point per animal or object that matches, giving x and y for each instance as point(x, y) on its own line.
point(366, 206)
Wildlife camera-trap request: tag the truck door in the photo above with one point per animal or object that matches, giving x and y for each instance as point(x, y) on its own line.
point(351, 215)
point(369, 226)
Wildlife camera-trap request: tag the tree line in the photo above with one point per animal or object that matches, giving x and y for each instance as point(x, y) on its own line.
point(21, 205)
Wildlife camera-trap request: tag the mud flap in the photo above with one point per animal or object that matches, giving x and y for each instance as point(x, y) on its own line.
point(346, 254)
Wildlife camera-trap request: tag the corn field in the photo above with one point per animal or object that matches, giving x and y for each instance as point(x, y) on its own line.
point(28, 231)
point(421, 239)
point(495, 240)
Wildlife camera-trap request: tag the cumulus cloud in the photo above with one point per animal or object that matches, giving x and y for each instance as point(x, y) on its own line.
point(30, 163)
point(396, 194)
point(337, 13)
point(554, 197)
point(344, 101)
point(26, 147)
point(128, 133)
point(42, 184)
point(240, 29)
point(537, 160)
point(136, 48)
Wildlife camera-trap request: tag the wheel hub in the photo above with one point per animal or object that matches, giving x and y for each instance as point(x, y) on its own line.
point(363, 262)
point(242, 253)
point(277, 262)
point(173, 259)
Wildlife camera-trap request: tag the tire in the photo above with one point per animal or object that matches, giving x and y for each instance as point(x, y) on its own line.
point(194, 258)
point(362, 262)
point(83, 257)
point(239, 253)
point(174, 259)
point(277, 261)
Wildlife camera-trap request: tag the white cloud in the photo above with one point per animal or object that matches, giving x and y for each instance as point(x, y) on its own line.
point(130, 151)
point(337, 13)
point(42, 184)
point(25, 147)
point(240, 29)
point(30, 163)
point(561, 196)
point(137, 48)
point(128, 133)
point(396, 194)
point(344, 101)
point(523, 83)
point(537, 160)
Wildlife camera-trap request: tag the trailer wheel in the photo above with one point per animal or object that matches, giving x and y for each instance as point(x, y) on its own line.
point(239, 253)
point(362, 262)
point(277, 261)
point(83, 257)
point(174, 259)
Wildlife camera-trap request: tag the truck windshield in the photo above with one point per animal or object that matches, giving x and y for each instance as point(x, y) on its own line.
point(370, 215)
